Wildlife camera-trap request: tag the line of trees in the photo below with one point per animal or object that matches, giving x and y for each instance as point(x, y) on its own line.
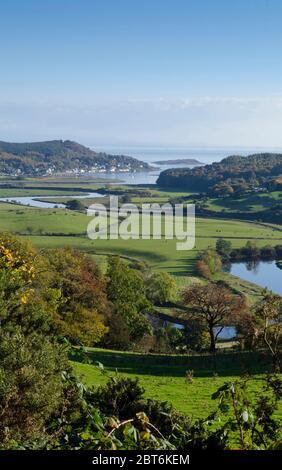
point(251, 251)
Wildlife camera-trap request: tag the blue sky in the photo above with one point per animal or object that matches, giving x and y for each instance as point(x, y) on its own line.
point(170, 72)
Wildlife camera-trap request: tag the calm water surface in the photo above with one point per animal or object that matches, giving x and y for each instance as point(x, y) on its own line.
point(264, 273)
point(33, 201)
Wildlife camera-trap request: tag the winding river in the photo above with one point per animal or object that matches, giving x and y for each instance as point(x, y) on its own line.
point(36, 201)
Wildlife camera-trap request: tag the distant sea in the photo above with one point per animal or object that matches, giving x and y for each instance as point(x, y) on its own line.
point(205, 155)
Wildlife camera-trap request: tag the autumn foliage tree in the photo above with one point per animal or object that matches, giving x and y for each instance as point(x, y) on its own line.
point(81, 307)
point(209, 263)
point(213, 305)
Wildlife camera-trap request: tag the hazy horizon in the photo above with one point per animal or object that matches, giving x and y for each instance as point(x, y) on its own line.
point(205, 155)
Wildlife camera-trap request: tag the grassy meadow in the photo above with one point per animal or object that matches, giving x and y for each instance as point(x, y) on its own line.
point(54, 228)
point(61, 227)
point(163, 376)
point(250, 203)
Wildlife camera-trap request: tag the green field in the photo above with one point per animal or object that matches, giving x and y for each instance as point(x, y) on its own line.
point(61, 227)
point(250, 203)
point(163, 376)
point(55, 228)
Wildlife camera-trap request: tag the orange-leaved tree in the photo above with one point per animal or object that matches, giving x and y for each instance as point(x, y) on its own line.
point(213, 304)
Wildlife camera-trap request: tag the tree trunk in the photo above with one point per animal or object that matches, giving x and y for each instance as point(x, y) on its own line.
point(276, 366)
point(212, 339)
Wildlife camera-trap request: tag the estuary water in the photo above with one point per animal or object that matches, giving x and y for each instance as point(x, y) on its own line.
point(205, 155)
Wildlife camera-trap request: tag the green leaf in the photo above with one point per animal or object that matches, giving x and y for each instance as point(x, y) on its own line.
point(245, 416)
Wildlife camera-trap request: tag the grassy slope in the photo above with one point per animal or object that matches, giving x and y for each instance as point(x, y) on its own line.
point(163, 376)
point(250, 203)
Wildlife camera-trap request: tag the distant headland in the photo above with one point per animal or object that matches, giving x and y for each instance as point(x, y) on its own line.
point(61, 156)
point(179, 161)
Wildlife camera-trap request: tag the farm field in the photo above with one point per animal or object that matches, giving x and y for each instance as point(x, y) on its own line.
point(250, 203)
point(61, 227)
point(163, 376)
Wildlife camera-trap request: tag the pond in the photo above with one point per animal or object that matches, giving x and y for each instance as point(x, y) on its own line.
point(227, 333)
point(263, 273)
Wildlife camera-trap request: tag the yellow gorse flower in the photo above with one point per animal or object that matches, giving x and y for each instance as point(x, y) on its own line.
point(17, 263)
point(25, 297)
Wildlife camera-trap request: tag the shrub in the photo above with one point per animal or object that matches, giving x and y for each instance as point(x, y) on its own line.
point(161, 288)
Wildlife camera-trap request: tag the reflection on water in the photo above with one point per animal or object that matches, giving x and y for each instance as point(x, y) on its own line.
point(146, 177)
point(266, 274)
point(30, 201)
point(142, 177)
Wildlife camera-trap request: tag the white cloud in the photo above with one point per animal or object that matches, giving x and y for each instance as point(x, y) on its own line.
point(224, 121)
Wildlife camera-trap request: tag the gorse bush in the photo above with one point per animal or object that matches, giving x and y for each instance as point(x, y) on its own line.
point(128, 420)
point(31, 361)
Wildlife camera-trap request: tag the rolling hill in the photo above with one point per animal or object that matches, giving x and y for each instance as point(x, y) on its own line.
point(58, 156)
point(256, 169)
